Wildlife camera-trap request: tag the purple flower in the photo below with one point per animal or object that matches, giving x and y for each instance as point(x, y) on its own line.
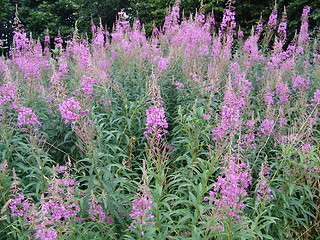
point(282, 28)
point(4, 165)
point(46, 233)
point(47, 39)
point(69, 110)
point(228, 22)
point(250, 124)
point(87, 86)
point(316, 96)
point(58, 42)
point(250, 46)
point(259, 27)
point(230, 115)
point(179, 86)
point(8, 93)
point(84, 112)
point(96, 211)
point(266, 127)
point(264, 190)
point(206, 116)
point(248, 140)
point(27, 117)
point(58, 206)
point(272, 22)
point(21, 43)
point(268, 99)
point(303, 34)
point(226, 198)
point(141, 208)
point(240, 34)
point(142, 204)
point(283, 92)
point(19, 205)
point(171, 21)
point(156, 122)
point(99, 39)
point(162, 63)
point(299, 82)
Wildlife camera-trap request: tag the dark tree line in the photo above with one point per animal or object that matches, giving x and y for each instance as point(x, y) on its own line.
point(63, 15)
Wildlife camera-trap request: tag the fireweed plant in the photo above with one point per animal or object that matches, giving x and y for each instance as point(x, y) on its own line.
point(196, 132)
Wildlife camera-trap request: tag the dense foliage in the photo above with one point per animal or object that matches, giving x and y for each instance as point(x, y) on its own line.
point(196, 132)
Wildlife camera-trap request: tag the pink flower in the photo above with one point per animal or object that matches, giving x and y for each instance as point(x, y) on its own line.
point(27, 117)
point(58, 206)
point(228, 22)
point(272, 22)
point(268, 99)
point(230, 115)
point(316, 96)
point(282, 28)
point(19, 205)
point(46, 233)
point(8, 93)
point(141, 208)
point(303, 34)
point(163, 63)
point(179, 86)
point(299, 82)
point(4, 165)
point(206, 116)
point(87, 86)
point(96, 211)
point(283, 92)
point(156, 122)
point(69, 110)
point(250, 124)
point(226, 198)
point(264, 190)
point(266, 127)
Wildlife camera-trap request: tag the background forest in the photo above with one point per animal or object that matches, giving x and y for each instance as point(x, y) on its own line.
point(62, 15)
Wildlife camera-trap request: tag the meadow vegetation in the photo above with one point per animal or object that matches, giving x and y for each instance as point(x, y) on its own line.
point(196, 132)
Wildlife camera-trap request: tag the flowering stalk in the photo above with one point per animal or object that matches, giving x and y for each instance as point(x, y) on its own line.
point(271, 25)
point(27, 117)
point(228, 21)
point(142, 205)
point(8, 100)
point(57, 209)
point(157, 156)
point(264, 190)
point(70, 110)
point(156, 125)
point(156, 122)
point(96, 211)
point(282, 28)
point(230, 115)
point(19, 205)
point(303, 38)
point(227, 197)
